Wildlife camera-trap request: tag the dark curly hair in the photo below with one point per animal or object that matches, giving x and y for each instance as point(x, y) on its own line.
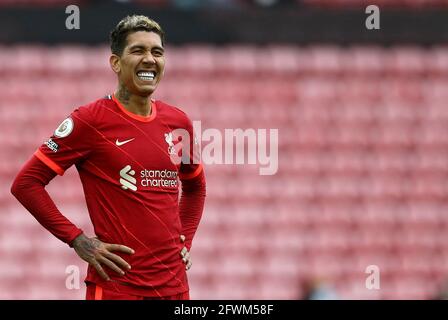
point(129, 25)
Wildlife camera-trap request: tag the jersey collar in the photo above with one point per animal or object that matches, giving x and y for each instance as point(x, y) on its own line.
point(136, 116)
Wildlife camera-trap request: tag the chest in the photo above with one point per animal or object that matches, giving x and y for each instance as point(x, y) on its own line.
point(146, 146)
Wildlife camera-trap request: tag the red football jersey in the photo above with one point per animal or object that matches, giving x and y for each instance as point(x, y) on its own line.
point(131, 187)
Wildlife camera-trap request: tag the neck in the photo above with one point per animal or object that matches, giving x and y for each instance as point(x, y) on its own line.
point(133, 103)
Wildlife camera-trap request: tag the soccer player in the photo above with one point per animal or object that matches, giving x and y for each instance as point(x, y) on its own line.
point(123, 147)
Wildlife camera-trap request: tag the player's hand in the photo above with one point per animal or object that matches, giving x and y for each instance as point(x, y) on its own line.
point(185, 254)
point(96, 253)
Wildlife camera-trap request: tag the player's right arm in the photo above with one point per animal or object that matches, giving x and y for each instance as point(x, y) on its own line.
point(29, 189)
point(69, 144)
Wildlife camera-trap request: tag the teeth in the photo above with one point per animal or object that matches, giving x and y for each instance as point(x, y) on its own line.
point(146, 75)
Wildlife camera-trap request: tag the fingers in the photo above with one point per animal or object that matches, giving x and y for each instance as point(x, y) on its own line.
point(185, 254)
point(100, 270)
point(111, 265)
point(118, 260)
point(119, 247)
point(96, 253)
point(111, 260)
point(186, 258)
point(108, 259)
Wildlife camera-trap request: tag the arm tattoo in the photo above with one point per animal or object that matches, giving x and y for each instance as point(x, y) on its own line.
point(86, 246)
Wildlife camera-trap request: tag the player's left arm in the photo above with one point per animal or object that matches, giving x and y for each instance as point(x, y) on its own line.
point(192, 199)
point(191, 207)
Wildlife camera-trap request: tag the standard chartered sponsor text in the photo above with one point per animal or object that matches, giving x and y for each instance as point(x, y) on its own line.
point(158, 178)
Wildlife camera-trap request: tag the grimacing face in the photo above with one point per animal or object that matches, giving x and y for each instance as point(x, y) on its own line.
point(141, 65)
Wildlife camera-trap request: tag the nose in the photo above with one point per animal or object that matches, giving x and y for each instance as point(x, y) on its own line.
point(149, 58)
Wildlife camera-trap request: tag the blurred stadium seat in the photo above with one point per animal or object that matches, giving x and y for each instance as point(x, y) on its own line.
point(361, 180)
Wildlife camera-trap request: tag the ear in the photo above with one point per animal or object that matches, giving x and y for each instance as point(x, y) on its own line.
point(114, 62)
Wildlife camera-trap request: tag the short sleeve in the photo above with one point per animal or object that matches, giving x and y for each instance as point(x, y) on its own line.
point(69, 144)
point(191, 166)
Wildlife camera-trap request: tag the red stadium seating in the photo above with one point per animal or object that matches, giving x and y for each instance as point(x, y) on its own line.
point(361, 179)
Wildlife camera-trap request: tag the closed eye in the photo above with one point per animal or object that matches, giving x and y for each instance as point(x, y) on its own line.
point(158, 53)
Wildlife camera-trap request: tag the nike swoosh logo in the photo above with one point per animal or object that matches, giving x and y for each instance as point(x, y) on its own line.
point(120, 143)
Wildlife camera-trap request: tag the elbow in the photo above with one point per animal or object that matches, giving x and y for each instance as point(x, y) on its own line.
point(19, 186)
point(33, 174)
point(15, 187)
point(204, 189)
point(202, 184)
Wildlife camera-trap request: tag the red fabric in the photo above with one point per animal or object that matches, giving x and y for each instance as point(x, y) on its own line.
point(131, 189)
point(29, 188)
point(95, 292)
point(191, 206)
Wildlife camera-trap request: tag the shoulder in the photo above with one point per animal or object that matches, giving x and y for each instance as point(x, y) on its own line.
point(93, 110)
point(167, 110)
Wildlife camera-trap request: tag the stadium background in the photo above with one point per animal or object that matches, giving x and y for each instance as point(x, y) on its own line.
point(362, 121)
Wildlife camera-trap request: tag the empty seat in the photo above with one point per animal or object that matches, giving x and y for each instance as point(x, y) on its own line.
point(362, 134)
